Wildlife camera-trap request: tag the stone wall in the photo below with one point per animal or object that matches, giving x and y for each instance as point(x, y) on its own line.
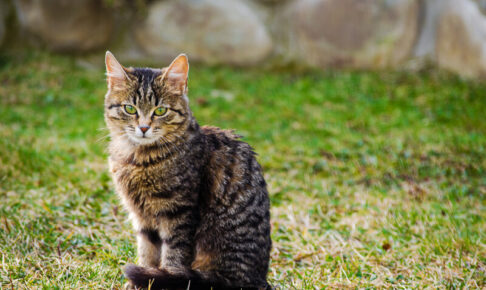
point(363, 34)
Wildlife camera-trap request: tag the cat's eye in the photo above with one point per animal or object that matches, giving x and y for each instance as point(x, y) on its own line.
point(130, 109)
point(160, 111)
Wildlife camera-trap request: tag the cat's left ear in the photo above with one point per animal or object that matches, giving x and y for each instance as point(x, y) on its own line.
point(175, 76)
point(116, 74)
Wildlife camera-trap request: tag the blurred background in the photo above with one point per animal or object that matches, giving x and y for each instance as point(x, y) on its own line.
point(364, 34)
point(368, 117)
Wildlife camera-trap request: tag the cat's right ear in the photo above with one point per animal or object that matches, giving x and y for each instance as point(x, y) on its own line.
point(175, 75)
point(116, 74)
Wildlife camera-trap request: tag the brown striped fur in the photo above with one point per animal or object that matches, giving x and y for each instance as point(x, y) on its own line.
point(196, 195)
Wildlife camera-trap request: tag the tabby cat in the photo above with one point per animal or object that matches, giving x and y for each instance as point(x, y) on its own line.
point(196, 195)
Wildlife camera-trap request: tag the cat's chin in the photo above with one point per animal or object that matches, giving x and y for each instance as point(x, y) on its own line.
point(142, 141)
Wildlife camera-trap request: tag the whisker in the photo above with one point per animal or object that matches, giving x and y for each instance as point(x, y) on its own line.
point(101, 138)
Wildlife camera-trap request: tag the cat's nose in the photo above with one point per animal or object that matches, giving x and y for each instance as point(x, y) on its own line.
point(144, 128)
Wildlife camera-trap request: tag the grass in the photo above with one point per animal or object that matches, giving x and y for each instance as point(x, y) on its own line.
point(376, 179)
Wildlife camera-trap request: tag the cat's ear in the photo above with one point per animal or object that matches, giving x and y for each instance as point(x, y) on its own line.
point(116, 74)
point(175, 76)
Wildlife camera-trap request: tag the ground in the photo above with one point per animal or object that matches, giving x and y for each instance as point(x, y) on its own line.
point(376, 179)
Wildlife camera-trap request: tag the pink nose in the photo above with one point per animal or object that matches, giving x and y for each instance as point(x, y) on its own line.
point(144, 128)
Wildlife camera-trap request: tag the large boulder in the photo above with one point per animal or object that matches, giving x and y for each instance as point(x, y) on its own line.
point(425, 46)
point(212, 31)
point(482, 5)
point(66, 25)
point(272, 2)
point(461, 38)
point(348, 33)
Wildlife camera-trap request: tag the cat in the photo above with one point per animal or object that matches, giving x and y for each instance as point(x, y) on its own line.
point(196, 195)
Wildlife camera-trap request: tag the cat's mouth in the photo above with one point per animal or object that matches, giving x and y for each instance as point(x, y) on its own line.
point(142, 140)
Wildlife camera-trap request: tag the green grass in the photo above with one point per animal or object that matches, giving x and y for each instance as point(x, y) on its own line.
point(376, 179)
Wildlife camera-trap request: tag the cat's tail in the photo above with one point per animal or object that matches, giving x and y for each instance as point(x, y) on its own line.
point(144, 277)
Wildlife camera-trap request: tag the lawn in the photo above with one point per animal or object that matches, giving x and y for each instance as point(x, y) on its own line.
point(376, 179)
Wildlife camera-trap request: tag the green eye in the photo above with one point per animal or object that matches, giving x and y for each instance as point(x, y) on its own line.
point(130, 109)
point(160, 111)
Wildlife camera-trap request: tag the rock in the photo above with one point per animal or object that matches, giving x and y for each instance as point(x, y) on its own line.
point(212, 31)
point(461, 38)
point(273, 2)
point(66, 25)
point(482, 5)
point(349, 33)
point(425, 47)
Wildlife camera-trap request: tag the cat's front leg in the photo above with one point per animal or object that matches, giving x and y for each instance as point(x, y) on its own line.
point(178, 245)
point(149, 248)
point(176, 258)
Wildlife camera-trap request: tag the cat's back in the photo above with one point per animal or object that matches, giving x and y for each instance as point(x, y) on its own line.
point(236, 226)
point(232, 170)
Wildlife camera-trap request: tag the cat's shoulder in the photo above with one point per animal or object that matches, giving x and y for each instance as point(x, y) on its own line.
point(220, 133)
point(224, 140)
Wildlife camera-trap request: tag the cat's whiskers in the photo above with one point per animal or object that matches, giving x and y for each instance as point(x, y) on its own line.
point(102, 138)
point(171, 143)
point(183, 143)
point(167, 150)
point(175, 148)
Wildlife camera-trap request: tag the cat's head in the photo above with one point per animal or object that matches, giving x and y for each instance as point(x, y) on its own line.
point(146, 105)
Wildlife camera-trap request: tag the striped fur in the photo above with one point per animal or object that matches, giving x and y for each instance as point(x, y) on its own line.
point(196, 195)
